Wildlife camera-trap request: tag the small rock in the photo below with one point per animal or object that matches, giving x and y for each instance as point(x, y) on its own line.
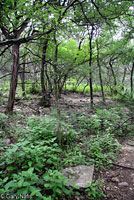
point(115, 179)
point(112, 174)
point(108, 188)
point(123, 184)
point(115, 187)
point(109, 196)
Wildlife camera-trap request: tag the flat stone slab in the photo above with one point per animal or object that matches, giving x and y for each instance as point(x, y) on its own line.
point(6, 141)
point(80, 175)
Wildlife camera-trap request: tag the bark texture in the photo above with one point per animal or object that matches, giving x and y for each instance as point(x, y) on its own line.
point(14, 78)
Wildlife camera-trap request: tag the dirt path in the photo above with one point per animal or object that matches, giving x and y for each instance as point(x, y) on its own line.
point(119, 180)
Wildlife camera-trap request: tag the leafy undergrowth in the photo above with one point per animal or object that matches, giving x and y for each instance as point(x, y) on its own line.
point(33, 165)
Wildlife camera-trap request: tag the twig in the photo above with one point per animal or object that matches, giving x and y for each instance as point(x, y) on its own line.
point(120, 125)
point(115, 164)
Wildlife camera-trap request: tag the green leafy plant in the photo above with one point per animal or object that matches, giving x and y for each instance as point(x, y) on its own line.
point(103, 121)
point(73, 156)
point(56, 184)
point(3, 120)
point(24, 183)
point(26, 154)
point(45, 129)
point(94, 191)
point(102, 150)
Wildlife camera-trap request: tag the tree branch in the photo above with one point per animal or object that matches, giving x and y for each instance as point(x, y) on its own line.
point(23, 40)
point(5, 50)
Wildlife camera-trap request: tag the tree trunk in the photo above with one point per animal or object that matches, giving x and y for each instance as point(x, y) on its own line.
point(45, 101)
point(42, 67)
point(113, 90)
point(14, 78)
point(100, 75)
point(57, 94)
point(131, 79)
point(113, 74)
point(23, 77)
point(90, 65)
point(124, 75)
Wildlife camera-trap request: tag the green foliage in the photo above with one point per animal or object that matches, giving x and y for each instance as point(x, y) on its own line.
point(73, 156)
point(3, 125)
point(26, 154)
point(106, 120)
point(88, 124)
point(23, 163)
point(3, 120)
point(24, 183)
point(28, 182)
point(33, 88)
point(56, 184)
point(94, 191)
point(102, 150)
point(45, 129)
point(73, 86)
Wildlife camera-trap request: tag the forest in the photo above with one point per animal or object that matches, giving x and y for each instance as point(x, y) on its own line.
point(67, 99)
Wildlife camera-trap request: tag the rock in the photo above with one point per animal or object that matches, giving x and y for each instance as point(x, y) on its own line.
point(112, 174)
point(109, 196)
point(6, 141)
point(108, 188)
point(115, 179)
point(80, 175)
point(115, 187)
point(123, 184)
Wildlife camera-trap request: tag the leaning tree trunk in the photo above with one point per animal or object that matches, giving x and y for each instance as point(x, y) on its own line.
point(14, 78)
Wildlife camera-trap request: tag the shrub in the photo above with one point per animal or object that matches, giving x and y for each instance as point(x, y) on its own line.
point(45, 129)
point(3, 120)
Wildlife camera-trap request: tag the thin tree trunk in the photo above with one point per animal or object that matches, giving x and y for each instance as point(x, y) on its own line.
point(113, 74)
point(90, 65)
point(131, 79)
point(124, 76)
point(100, 74)
point(56, 93)
point(23, 77)
point(45, 101)
point(43, 66)
point(14, 78)
point(113, 90)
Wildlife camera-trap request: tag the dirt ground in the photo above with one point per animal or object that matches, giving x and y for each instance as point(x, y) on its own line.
point(119, 180)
